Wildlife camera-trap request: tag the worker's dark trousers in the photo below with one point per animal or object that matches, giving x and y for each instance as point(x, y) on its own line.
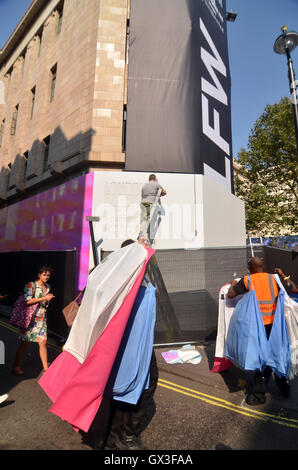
point(267, 372)
point(131, 420)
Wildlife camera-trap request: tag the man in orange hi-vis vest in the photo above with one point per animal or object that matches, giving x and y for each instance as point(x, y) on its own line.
point(266, 290)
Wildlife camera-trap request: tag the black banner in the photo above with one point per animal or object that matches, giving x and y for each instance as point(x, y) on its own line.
point(178, 110)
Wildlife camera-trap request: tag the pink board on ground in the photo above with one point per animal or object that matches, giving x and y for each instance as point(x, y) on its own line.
point(221, 364)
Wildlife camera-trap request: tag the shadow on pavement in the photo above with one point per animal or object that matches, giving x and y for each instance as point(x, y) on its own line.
point(222, 447)
point(7, 403)
point(31, 363)
point(235, 379)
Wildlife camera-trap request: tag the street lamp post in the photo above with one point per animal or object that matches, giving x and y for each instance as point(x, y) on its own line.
point(284, 44)
point(231, 16)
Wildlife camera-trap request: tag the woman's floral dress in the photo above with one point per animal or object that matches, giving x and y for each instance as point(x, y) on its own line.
point(37, 330)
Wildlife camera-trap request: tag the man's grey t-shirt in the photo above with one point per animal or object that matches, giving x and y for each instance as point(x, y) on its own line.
point(149, 191)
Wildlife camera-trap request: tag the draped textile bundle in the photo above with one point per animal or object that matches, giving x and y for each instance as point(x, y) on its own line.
point(76, 380)
point(247, 345)
point(130, 373)
point(291, 316)
point(107, 287)
point(225, 311)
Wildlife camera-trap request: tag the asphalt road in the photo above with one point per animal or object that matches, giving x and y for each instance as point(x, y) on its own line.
point(189, 414)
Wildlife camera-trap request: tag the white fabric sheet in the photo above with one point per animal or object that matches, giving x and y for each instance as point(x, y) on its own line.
point(291, 316)
point(225, 311)
point(108, 285)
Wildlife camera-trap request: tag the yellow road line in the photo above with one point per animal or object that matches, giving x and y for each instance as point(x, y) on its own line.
point(211, 402)
point(228, 405)
point(261, 413)
point(16, 331)
point(9, 327)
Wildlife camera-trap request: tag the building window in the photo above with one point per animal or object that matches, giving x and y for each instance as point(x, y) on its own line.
point(26, 155)
point(8, 76)
point(127, 41)
point(33, 93)
point(11, 184)
point(46, 142)
point(124, 128)
point(53, 81)
point(60, 17)
point(1, 131)
point(14, 120)
point(39, 34)
point(23, 55)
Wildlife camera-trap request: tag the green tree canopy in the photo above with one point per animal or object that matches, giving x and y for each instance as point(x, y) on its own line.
point(267, 179)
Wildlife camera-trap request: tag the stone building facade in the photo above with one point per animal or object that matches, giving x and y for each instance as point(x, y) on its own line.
point(62, 77)
point(63, 96)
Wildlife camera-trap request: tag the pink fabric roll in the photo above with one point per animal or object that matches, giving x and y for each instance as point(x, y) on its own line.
point(79, 394)
point(58, 375)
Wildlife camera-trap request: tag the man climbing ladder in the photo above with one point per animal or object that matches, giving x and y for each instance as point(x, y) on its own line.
point(151, 193)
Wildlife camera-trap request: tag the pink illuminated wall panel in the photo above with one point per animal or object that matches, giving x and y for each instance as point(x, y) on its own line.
point(52, 220)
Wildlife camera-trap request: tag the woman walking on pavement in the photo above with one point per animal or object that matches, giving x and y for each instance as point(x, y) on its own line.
point(37, 292)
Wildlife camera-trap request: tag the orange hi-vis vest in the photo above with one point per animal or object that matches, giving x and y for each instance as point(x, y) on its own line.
point(266, 289)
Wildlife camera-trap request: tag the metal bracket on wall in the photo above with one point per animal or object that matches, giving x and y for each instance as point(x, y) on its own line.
point(91, 219)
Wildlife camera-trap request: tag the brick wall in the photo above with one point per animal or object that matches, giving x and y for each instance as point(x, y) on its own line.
point(84, 120)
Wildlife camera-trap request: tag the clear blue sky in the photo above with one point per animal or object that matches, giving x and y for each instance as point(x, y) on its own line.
point(259, 76)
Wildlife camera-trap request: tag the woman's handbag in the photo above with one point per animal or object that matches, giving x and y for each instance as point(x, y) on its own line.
point(22, 313)
point(71, 310)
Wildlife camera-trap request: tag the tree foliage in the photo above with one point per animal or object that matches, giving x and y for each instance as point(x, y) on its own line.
point(267, 179)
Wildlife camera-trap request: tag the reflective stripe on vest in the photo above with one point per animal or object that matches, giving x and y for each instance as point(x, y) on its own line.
point(267, 307)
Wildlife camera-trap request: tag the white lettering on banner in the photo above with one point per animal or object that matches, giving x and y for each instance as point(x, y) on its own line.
point(215, 90)
point(216, 12)
point(211, 63)
point(213, 132)
point(215, 176)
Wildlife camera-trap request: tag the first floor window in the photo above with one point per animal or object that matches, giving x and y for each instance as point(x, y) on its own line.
point(26, 154)
point(124, 128)
point(46, 142)
point(33, 92)
point(14, 120)
point(53, 81)
point(1, 131)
